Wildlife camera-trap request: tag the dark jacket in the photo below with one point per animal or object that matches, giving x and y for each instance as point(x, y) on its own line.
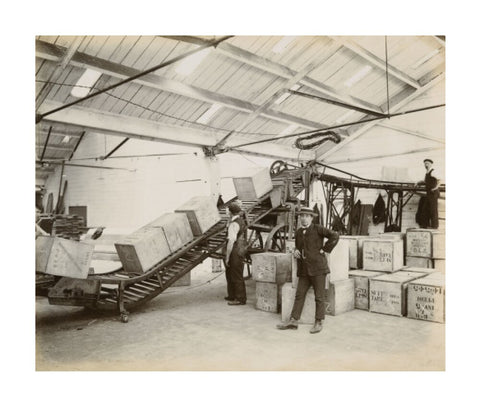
point(309, 242)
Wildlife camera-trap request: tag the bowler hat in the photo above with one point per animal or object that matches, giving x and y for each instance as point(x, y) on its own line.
point(428, 160)
point(307, 210)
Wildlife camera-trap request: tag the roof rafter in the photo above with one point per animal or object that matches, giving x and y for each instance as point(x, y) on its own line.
point(375, 60)
point(400, 102)
point(277, 69)
point(118, 125)
point(53, 53)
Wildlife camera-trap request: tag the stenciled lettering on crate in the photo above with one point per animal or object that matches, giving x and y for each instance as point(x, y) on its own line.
point(426, 299)
point(273, 267)
point(382, 255)
point(202, 213)
point(268, 296)
point(361, 280)
point(388, 292)
point(425, 243)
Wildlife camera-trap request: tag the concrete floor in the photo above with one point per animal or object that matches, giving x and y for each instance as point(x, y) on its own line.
point(192, 328)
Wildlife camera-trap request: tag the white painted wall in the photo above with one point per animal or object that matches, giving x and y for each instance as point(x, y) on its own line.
point(143, 188)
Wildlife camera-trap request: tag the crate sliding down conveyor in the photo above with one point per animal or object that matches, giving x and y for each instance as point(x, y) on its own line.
point(122, 292)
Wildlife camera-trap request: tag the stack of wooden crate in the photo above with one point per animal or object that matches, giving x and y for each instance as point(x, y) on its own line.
point(373, 257)
point(426, 248)
point(270, 270)
point(388, 292)
point(147, 246)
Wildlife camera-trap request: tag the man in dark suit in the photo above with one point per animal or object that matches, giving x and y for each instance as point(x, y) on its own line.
point(312, 267)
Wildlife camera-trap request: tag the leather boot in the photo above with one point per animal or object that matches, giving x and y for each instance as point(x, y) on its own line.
point(317, 327)
point(292, 324)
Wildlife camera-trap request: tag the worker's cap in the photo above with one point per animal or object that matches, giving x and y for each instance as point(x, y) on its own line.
point(307, 210)
point(428, 160)
point(234, 208)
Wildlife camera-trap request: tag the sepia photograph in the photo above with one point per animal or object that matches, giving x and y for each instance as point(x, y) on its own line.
point(240, 202)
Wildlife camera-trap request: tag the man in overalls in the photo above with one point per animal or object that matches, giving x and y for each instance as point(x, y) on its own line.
point(235, 256)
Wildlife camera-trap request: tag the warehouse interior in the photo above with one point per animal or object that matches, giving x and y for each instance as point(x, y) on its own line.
point(130, 127)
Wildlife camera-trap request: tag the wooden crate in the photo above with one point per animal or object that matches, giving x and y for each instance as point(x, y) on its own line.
point(354, 253)
point(425, 243)
point(62, 257)
point(43, 246)
point(426, 299)
point(74, 292)
point(382, 254)
point(202, 213)
point(142, 249)
point(426, 271)
point(388, 292)
point(176, 228)
point(268, 297)
point(361, 280)
point(288, 298)
point(419, 262)
point(340, 297)
point(439, 264)
point(273, 267)
point(339, 260)
point(254, 184)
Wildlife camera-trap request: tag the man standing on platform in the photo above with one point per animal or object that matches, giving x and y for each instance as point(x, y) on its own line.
point(235, 256)
point(312, 267)
point(431, 183)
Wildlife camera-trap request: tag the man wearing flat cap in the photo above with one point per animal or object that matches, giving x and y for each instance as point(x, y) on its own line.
point(235, 256)
point(312, 268)
point(431, 182)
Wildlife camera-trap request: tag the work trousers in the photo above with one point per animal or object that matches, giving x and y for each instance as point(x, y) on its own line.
point(234, 274)
point(432, 199)
point(304, 283)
